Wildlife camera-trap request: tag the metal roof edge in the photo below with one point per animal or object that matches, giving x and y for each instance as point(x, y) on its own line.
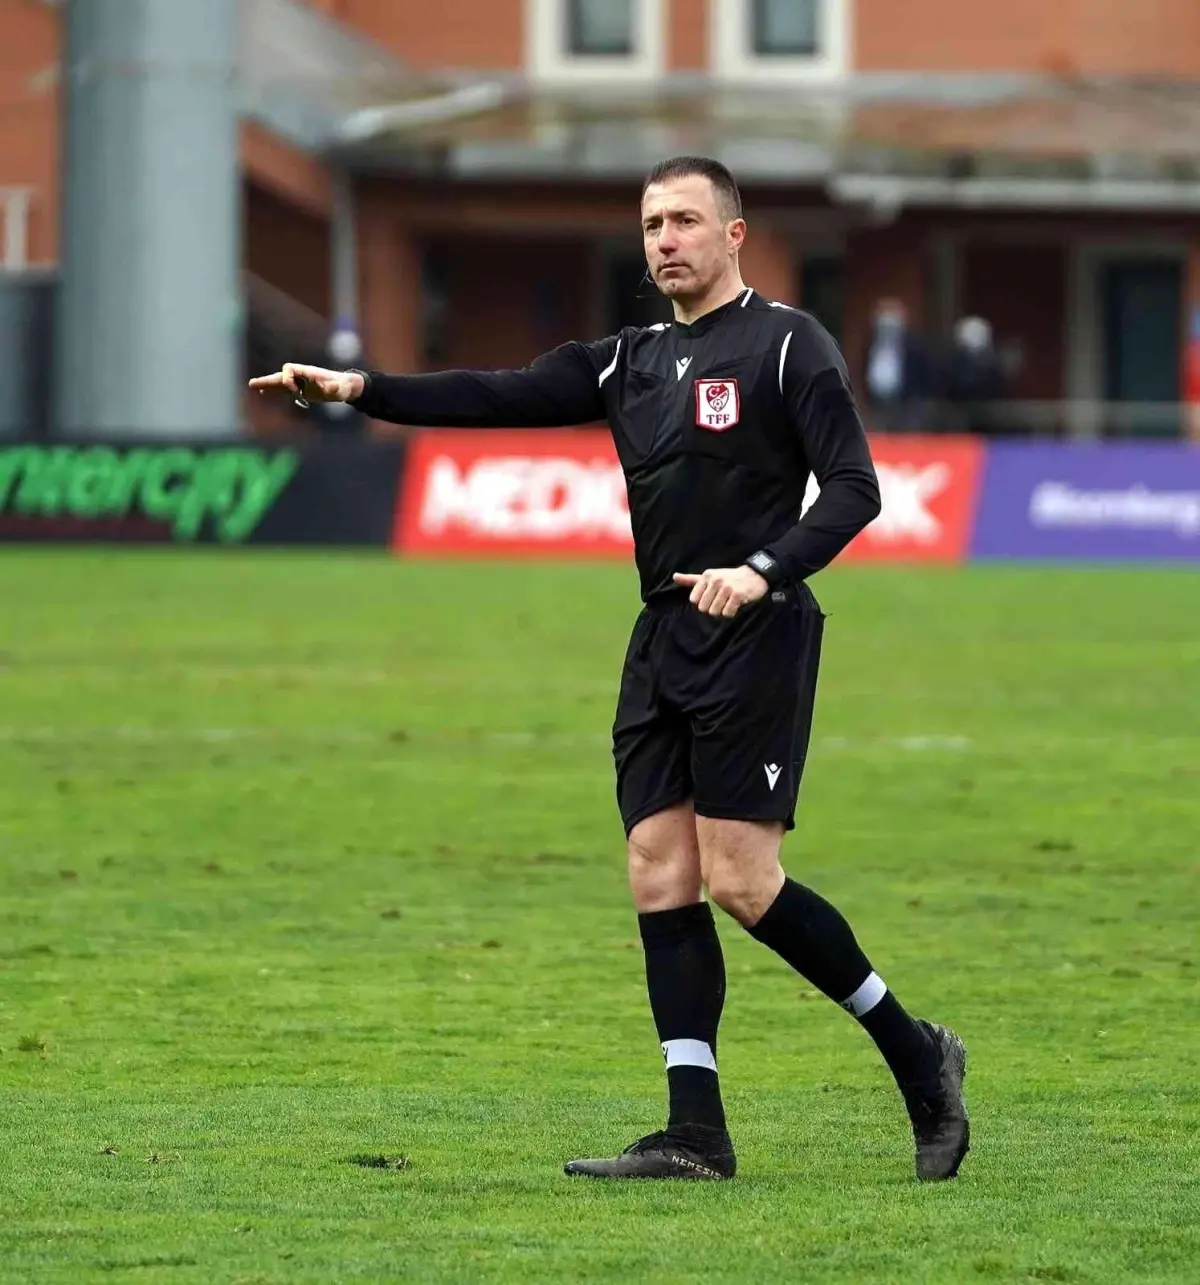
point(890, 193)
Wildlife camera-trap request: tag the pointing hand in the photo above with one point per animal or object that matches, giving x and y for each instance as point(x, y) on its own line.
point(313, 383)
point(723, 591)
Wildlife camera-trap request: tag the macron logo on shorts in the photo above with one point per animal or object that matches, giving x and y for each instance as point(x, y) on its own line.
point(772, 770)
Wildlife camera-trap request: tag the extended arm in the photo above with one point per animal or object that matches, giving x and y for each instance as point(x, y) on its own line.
point(560, 387)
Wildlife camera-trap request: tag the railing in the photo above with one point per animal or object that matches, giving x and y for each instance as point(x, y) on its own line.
point(1083, 419)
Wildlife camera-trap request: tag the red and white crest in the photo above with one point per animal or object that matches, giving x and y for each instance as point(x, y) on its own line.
point(718, 404)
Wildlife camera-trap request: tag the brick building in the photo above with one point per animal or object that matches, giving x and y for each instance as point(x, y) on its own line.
point(458, 182)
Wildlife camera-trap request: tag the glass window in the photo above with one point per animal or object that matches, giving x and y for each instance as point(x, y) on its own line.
point(600, 27)
point(785, 28)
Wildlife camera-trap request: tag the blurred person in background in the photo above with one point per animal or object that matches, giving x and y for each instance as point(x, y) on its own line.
point(898, 371)
point(719, 418)
point(975, 375)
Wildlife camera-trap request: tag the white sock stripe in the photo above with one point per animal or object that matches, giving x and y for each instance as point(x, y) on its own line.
point(867, 996)
point(689, 1053)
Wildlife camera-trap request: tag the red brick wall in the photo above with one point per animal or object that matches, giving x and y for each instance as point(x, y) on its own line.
point(1142, 36)
point(448, 33)
point(687, 48)
point(292, 175)
point(29, 116)
point(1087, 36)
point(286, 247)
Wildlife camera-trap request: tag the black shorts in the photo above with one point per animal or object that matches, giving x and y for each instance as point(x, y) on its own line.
point(718, 711)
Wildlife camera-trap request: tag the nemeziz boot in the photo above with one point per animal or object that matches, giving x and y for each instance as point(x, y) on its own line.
point(939, 1119)
point(689, 1151)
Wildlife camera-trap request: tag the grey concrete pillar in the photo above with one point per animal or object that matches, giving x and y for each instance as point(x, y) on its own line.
point(148, 335)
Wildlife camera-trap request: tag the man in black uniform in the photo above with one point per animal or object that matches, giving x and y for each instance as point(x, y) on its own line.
point(718, 417)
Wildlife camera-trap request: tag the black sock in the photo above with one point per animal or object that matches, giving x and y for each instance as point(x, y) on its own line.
point(904, 1045)
point(685, 975)
point(805, 930)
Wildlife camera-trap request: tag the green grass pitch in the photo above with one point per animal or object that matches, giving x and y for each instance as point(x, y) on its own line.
point(308, 858)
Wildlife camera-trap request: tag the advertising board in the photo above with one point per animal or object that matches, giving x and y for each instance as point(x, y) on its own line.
point(1098, 501)
point(561, 493)
point(322, 492)
point(540, 492)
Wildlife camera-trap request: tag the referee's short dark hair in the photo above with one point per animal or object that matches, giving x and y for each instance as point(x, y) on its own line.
point(729, 199)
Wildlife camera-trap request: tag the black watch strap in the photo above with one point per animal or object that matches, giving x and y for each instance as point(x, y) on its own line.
point(767, 566)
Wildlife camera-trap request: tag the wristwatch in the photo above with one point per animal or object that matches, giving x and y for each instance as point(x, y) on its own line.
point(767, 566)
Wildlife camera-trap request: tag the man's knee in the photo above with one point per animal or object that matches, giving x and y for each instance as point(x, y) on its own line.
point(741, 866)
point(664, 860)
point(746, 894)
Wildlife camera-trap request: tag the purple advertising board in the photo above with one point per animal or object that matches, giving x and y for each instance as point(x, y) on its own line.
point(1111, 501)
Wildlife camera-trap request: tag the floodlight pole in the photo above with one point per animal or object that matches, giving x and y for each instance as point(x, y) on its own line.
point(148, 332)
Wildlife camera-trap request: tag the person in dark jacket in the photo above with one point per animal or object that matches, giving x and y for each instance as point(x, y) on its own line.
point(899, 372)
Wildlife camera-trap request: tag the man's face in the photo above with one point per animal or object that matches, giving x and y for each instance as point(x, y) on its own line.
point(688, 244)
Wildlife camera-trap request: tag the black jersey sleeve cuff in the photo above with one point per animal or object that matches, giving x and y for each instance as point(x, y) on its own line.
point(768, 566)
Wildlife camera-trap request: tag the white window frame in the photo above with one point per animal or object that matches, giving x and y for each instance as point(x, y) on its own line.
point(15, 204)
point(548, 58)
point(733, 56)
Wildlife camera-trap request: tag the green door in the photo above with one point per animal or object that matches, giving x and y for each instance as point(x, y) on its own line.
point(1142, 302)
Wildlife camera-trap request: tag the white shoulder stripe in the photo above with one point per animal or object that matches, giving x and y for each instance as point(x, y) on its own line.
point(660, 325)
point(612, 365)
point(787, 339)
point(746, 296)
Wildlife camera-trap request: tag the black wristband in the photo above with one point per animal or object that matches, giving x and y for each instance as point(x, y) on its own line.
point(767, 566)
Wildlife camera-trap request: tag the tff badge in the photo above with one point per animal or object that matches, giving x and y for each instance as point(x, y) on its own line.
point(717, 404)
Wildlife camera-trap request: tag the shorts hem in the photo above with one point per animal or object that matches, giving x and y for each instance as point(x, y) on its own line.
point(649, 809)
point(744, 814)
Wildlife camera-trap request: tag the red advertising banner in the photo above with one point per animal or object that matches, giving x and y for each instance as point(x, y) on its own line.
point(1191, 358)
point(929, 487)
point(544, 492)
point(516, 492)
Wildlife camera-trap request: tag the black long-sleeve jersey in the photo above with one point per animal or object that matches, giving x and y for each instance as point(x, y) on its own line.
point(718, 425)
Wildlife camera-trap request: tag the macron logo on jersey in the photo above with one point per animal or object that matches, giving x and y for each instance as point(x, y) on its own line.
point(681, 364)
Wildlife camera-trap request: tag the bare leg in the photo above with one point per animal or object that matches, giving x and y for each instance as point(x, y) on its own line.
point(664, 860)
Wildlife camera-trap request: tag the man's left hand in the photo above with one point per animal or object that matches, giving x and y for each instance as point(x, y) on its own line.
point(723, 591)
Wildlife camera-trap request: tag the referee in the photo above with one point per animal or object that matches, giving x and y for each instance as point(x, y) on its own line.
point(719, 417)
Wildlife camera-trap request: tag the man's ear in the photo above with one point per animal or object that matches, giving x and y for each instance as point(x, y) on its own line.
point(735, 234)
